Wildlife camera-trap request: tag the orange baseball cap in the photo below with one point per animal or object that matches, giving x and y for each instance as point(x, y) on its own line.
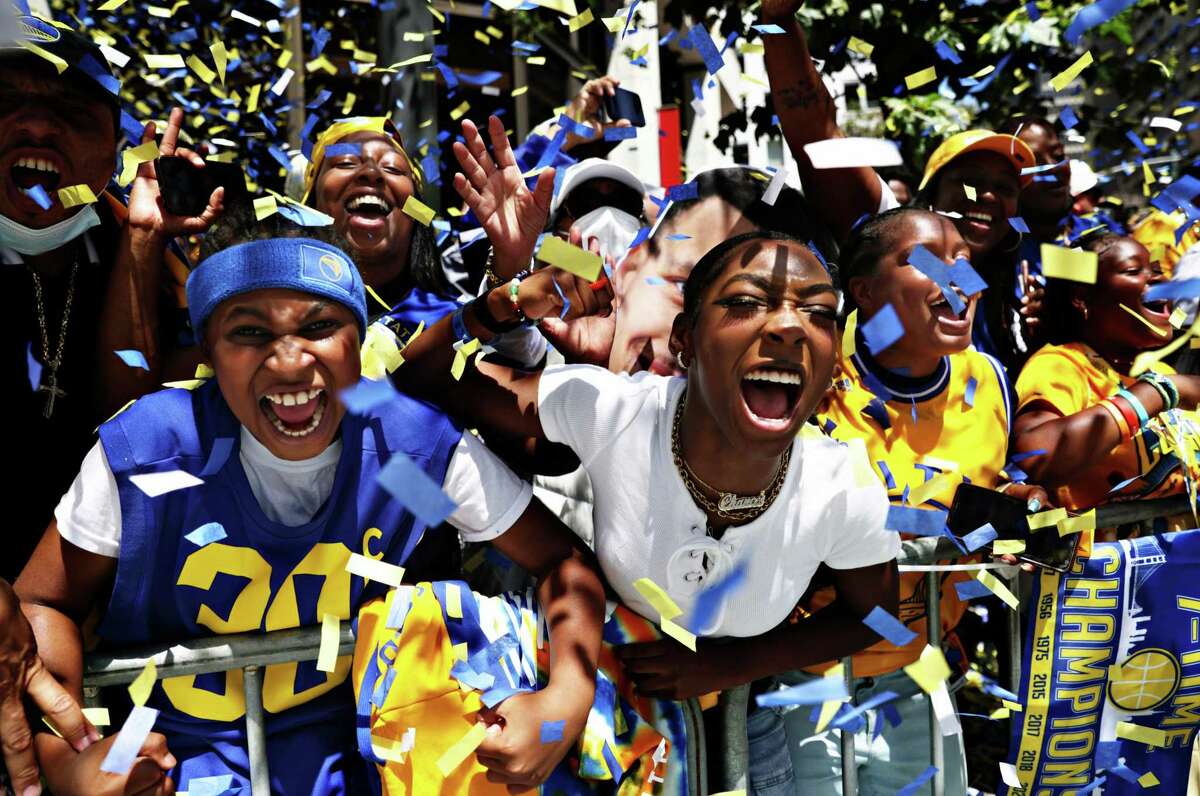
point(1010, 147)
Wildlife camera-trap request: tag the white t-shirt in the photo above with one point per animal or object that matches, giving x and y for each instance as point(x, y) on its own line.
point(648, 526)
point(490, 496)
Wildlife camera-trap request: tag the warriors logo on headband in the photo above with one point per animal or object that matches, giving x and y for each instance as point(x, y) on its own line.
point(317, 265)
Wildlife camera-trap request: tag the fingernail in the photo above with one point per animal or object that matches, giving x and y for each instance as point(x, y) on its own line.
point(32, 790)
point(1034, 504)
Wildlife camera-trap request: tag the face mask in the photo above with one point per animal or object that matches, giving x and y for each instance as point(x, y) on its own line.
point(614, 229)
point(39, 241)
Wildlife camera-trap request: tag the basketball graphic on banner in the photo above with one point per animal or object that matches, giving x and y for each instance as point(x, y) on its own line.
point(1148, 679)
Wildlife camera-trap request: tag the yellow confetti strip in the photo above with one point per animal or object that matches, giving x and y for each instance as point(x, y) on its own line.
point(560, 254)
point(516, 92)
point(171, 61)
point(848, 334)
point(1013, 547)
point(139, 689)
point(374, 569)
point(918, 79)
point(1059, 262)
point(74, 195)
point(416, 59)
point(1152, 327)
point(933, 486)
point(930, 670)
point(453, 757)
point(132, 158)
point(829, 708)
point(586, 18)
point(415, 208)
point(969, 191)
point(614, 24)
point(1065, 77)
point(859, 46)
point(1178, 316)
point(494, 32)
point(536, 60)
point(348, 104)
point(459, 366)
point(1044, 519)
point(1012, 705)
point(201, 69)
point(112, 5)
point(453, 601)
point(461, 651)
point(460, 111)
point(59, 64)
point(658, 598)
point(331, 628)
point(265, 206)
point(750, 48)
point(1084, 522)
point(1136, 732)
point(997, 588)
point(413, 36)
point(1148, 780)
point(252, 98)
point(482, 37)
point(680, 634)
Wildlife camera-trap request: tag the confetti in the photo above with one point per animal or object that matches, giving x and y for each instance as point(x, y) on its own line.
point(1065, 77)
point(889, 627)
point(124, 751)
point(1074, 264)
point(921, 78)
point(930, 670)
point(143, 684)
point(155, 484)
point(560, 254)
point(134, 359)
point(845, 153)
point(418, 210)
point(206, 534)
point(882, 330)
point(74, 195)
point(327, 655)
point(375, 570)
point(453, 757)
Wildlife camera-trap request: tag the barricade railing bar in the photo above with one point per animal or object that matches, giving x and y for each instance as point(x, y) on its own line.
point(252, 651)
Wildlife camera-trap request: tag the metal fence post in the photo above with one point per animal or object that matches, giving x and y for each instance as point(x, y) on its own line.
point(256, 732)
point(849, 760)
point(933, 617)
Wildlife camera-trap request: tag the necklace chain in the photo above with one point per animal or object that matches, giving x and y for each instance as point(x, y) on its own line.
point(729, 504)
point(53, 363)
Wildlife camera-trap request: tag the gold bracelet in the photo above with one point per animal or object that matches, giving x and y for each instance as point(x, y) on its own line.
point(489, 272)
point(1118, 418)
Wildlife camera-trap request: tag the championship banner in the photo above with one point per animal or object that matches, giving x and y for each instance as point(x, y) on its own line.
point(1111, 674)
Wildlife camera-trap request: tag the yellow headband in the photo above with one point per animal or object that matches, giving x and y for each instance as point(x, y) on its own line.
point(339, 130)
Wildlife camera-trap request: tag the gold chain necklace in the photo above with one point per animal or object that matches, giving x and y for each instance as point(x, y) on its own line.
point(730, 505)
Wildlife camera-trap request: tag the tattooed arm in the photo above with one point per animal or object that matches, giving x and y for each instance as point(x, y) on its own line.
point(807, 113)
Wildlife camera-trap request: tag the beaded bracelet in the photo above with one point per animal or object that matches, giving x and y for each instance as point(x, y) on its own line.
point(1115, 413)
point(1166, 388)
point(513, 287)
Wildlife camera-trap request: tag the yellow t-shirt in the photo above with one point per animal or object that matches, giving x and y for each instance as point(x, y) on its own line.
point(1070, 378)
point(949, 434)
point(1157, 233)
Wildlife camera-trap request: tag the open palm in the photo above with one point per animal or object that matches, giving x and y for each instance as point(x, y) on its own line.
point(512, 216)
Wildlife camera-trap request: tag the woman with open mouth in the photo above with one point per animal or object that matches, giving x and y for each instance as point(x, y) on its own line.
point(1103, 433)
point(931, 414)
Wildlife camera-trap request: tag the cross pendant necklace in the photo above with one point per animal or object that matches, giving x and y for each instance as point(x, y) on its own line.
point(52, 390)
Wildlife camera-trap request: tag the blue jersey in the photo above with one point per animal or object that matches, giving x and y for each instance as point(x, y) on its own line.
point(260, 576)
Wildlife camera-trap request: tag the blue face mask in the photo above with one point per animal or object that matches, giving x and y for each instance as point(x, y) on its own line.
point(29, 241)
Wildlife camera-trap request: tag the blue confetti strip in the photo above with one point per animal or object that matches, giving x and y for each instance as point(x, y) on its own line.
point(220, 785)
point(911, 788)
point(1067, 118)
point(620, 133)
point(768, 30)
point(919, 522)
point(1032, 10)
point(970, 589)
point(367, 394)
point(969, 393)
point(1181, 289)
point(882, 330)
point(1018, 223)
point(412, 488)
point(709, 601)
point(704, 46)
point(398, 609)
point(979, 537)
point(966, 277)
point(207, 533)
point(1091, 16)
point(134, 359)
point(678, 193)
point(946, 52)
point(846, 718)
point(34, 368)
point(887, 474)
point(1137, 142)
point(889, 627)
point(1020, 457)
point(38, 194)
point(552, 730)
point(814, 692)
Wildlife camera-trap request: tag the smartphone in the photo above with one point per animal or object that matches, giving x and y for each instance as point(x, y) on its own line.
point(974, 506)
point(625, 104)
point(185, 188)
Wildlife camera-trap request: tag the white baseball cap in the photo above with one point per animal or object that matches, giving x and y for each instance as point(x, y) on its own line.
point(592, 169)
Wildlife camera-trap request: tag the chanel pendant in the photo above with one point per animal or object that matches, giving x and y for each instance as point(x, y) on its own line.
point(732, 502)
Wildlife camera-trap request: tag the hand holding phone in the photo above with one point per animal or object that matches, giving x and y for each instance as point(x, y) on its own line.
point(185, 188)
point(975, 506)
point(624, 104)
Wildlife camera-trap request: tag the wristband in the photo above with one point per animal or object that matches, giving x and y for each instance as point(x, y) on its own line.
point(1166, 388)
point(1142, 416)
point(522, 320)
point(1127, 412)
point(1162, 393)
point(1115, 414)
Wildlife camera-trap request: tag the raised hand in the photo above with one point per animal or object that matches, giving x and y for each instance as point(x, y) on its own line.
point(587, 340)
point(147, 215)
point(584, 108)
point(512, 216)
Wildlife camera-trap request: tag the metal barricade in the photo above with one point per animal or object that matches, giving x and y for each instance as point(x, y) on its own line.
point(921, 553)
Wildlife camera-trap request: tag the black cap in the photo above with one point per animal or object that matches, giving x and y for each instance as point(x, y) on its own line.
point(82, 56)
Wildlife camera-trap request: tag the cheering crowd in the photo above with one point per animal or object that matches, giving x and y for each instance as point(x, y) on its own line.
point(642, 445)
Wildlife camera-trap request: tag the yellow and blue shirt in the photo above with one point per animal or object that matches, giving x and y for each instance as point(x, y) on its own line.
point(956, 421)
point(1069, 378)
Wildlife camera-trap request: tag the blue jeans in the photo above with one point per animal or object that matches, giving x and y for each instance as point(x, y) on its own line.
point(812, 764)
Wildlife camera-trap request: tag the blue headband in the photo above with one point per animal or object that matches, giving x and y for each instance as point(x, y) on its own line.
point(302, 264)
